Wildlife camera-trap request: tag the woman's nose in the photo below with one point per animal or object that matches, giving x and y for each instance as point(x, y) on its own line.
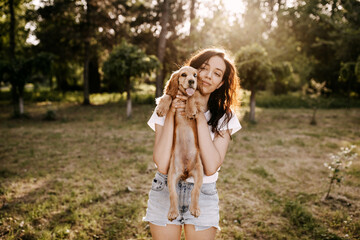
point(208, 74)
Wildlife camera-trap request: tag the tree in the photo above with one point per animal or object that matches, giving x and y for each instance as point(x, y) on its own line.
point(284, 79)
point(125, 62)
point(162, 46)
point(22, 70)
point(17, 63)
point(254, 71)
point(328, 31)
point(314, 91)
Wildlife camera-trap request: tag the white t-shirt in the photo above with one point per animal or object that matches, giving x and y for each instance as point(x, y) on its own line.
point(233, 125)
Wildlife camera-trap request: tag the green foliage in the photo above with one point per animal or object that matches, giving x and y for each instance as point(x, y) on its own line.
point(350, 78)
point(125, 62)
point(254, 67)
point(328, 32)
point(284, 78)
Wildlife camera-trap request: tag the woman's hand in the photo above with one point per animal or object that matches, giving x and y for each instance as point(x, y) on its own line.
point(179, 103)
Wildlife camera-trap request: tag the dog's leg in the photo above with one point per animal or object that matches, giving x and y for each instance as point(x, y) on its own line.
point(163, 105)
point(173, 178)
point(198, 179)
point(200, 102)
point(190, 108)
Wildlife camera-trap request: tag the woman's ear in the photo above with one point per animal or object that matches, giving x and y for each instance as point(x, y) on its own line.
point(172, 85)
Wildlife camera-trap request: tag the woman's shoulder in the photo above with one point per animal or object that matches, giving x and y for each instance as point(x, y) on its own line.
point(229, 121)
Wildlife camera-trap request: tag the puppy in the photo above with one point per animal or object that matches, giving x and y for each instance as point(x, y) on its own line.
point(185, 155)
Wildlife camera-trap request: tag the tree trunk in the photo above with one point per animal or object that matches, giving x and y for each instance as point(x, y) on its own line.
point(15, 97)
point(21, 105)
point(252, 106)
point(12, 29)
point(87, 54)
point(50, 82)
point(14, 86)
point(313, 120)
point(128, 100)
point(94, 76)
point(192, 16)
point(162, 47)
point(86, 80)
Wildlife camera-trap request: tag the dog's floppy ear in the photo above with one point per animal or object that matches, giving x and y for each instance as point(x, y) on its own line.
point(172, 85)
point(199, 84)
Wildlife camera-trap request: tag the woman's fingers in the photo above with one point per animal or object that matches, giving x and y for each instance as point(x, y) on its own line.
point(179, 103)
point(181, 96)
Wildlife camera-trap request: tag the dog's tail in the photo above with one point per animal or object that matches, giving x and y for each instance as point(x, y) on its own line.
point(185, 175)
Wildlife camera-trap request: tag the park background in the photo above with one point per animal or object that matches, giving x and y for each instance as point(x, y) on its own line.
point(78, 81)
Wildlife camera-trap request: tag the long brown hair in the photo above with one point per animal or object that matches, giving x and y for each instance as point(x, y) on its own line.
point(223, 99)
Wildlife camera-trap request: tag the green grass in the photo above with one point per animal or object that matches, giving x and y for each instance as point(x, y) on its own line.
point(304, 223)
point(86, 174)
point(296, 100)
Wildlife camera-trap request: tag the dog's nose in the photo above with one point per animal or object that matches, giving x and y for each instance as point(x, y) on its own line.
point(191, 82)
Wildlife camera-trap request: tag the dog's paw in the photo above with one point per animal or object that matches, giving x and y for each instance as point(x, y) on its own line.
point(173, 214)
point(161, 111)
point(191, 115)
point(195, 210)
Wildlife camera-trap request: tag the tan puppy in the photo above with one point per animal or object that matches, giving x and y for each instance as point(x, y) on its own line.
point(185, 156)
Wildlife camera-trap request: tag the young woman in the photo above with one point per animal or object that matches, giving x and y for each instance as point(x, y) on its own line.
point(215, 126)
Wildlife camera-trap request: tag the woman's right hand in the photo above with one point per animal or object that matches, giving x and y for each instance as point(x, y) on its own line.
point(178, 104)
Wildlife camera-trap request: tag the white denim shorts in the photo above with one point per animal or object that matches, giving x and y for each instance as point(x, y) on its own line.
point(159, 204)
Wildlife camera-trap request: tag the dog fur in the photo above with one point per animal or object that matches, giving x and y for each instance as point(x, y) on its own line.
point(185, 155)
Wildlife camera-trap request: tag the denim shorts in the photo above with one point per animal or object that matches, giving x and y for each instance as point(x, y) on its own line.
point(159, 204)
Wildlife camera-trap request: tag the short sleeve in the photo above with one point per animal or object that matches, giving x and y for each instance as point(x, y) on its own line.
point(155, 119)
point(233, 124)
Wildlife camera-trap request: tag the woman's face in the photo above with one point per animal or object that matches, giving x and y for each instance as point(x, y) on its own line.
point(211, 74)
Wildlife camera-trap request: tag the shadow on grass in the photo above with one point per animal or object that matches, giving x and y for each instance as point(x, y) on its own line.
point(109, 216)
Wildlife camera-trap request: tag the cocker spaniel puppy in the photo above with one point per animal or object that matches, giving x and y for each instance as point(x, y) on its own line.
point(185, 159)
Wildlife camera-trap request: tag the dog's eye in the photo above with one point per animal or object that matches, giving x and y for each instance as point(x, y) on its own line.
point(195, 75)
point(183, 75)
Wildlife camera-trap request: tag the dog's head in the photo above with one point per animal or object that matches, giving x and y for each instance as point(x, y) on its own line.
point(185, 80)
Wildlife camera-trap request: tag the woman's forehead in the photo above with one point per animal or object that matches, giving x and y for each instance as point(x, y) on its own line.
point(216, 62)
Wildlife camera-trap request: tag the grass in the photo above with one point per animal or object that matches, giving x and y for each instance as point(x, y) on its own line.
point(86, 174)
point(266, 99)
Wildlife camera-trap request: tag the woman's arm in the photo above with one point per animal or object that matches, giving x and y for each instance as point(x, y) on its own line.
point(212, 152)
point(164, 137)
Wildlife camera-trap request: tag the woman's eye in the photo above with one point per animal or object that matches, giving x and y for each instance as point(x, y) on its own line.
point(217, 74)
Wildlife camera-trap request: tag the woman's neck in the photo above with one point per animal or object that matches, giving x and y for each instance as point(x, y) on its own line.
point(206, 98)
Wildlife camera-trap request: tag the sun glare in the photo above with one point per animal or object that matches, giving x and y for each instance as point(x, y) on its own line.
point(235, 6)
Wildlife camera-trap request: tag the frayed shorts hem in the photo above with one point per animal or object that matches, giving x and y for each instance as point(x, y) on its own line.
point(197, 228)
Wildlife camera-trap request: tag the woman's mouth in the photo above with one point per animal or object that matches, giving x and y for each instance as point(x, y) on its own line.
point(206, 84)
